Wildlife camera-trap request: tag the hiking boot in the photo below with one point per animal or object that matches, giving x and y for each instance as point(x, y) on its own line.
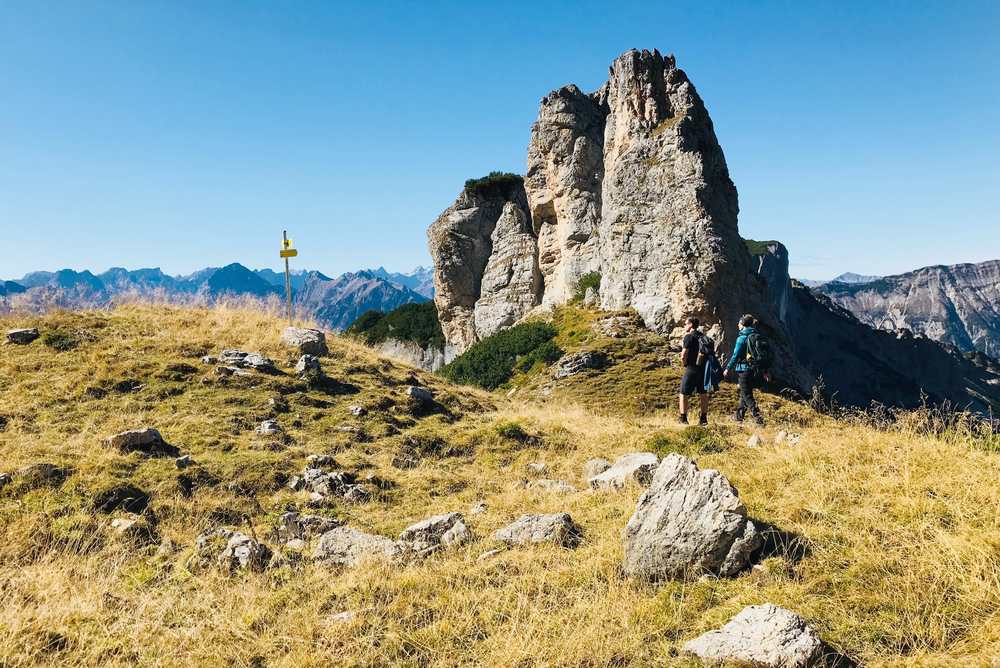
point(703, 420)
point(758, 420)
point(738, 418)
point(682, 418)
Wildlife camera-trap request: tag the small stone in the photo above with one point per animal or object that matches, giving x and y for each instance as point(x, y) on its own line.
point(358, 411)
point(635, 467)
point(435, 532)
point(183, 461)
point(478, 509)
point(209, 359)
point(147, 441)
point(347, 546)
point(595, 467)
point(296, 545)
point(43, 474)
point(557, 528)
point(308, 364)
point(321, 460)
point(357, 494)
point(136, 530)
point(755, 441)
point(5, 479)
point(343, 617)
point(538, 468)
point(296, 483)
point(405, 460)
point(557, 486)
point(489, 554)
point(243, 552)
point(22, 336)
point(420, 394)
point(268, 428)
point(306, 341)
point(761, 635)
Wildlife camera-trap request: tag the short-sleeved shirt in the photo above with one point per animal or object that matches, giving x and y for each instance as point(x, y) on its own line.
point(690, 345)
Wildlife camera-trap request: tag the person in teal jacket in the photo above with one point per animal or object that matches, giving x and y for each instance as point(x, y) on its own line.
point(745, 377)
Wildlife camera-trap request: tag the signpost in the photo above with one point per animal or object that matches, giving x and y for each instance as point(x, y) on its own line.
point(288, 251)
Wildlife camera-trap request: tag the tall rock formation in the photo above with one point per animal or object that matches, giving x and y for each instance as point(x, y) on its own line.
point(629, 182)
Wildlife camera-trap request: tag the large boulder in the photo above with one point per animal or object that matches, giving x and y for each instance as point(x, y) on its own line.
point(147, 441)
point(435, 533)
point(688, 522)
point(22, 336)
point(760, 635)
point(347, 546)
point(557, 528)
point(636, 467)
point(305, 341)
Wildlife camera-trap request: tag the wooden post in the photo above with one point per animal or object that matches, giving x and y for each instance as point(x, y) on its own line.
point(288, 278)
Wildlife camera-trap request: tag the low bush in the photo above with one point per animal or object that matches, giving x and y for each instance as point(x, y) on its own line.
point(491, 362)
point(410, 322)
point(493, 183)
point(589, 280)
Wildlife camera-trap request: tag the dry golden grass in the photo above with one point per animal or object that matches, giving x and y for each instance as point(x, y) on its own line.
point(893, 549)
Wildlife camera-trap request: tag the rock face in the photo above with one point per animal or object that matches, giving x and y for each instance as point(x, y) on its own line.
point(958, 305)
point(761, 635)
point(688, 522)
point(461, 243)
point(428, 359)
point(629, 182)
point(860, 364)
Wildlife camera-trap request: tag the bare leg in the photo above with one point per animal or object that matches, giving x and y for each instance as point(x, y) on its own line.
point(704, 403)
point(683, 404)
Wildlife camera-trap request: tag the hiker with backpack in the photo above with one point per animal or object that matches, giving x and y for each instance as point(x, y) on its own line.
point(701, 370)
point(751, 361)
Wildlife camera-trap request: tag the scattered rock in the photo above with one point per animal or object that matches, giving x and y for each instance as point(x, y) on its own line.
point(761, 635)
point(136, 530)
point(755, 441)
point(296, 483)
point(5, 479)
point(22, 336)
point(420, 394)
point(688, 522)
point(343, 617)
point(618, 326)
point(244, 360)
point(478, 508)
point(293, 526)
point(574, 363)
point(557, 528)
point(148, 441)
point(357, 494)
point(209, 359)
point(183, 461)
point(489, 554)
point(637, 467)
point(278, 404)
point(129, 498)
point(268, 428)
point(231, 550)
point(595, 467)
point(358, 411)
point(538, 468)
point(308, 366)
point(557, 486)
point(435, 533)
point(783, 437)
point(306, 341)
point(347, 546)
point(43, 474)
point(405, 460)
point(316, 461)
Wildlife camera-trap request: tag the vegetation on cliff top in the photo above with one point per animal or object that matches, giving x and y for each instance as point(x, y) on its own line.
point(890, 539)
point(493, 183)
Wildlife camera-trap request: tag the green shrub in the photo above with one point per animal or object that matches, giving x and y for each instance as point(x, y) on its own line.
point(543, 355)
point(494, 183)
point(758, 247)
point(60, 340)
point(410, 322)
point(490, 363)
point(588, 280)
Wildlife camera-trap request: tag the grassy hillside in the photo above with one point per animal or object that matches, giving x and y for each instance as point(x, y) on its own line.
point(892, 533)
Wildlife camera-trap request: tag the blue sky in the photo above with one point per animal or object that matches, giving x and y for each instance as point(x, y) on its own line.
point(188, 134)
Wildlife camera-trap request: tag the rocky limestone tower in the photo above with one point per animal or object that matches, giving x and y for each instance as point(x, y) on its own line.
point(563, 184)
point(629, 182)
point(469, 257)
point(669, 241)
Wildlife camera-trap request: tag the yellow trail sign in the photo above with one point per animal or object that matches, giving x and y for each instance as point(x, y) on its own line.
point(290, 252)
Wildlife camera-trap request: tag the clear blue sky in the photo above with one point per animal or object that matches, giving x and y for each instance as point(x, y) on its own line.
point(865, 135)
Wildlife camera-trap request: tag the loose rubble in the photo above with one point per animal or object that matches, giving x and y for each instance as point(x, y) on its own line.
point(231, 550)
point(239, 359)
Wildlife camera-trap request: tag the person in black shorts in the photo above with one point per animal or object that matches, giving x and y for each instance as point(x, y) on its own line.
point(693, 380)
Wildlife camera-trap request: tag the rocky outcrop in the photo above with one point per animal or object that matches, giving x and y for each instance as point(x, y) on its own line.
point(958, 304)
point(461, 244)
point(410, 352)
point(859, 364)
point(563, 183)
point(629, 182)
point(688, 522)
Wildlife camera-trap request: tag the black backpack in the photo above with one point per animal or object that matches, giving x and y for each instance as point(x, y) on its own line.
point(759, 357)
point(706, 349)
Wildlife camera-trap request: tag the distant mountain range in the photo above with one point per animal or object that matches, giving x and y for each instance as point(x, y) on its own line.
point(954, 304)
point(847, 277)
point(333, 302)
